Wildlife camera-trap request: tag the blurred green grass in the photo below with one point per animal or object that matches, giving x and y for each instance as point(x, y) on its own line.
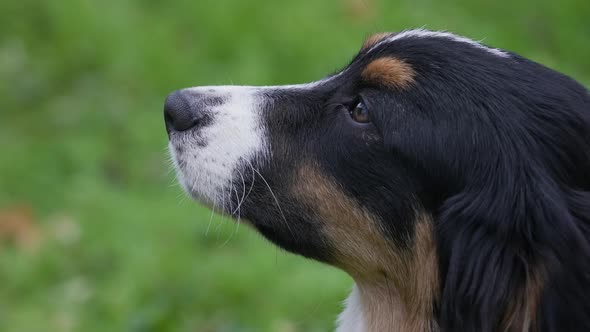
point(111, 243)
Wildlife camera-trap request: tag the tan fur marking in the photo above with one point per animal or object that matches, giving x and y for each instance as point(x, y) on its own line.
point(521, 314)
point(390, 72)
point(373, 40)
point(397, 287)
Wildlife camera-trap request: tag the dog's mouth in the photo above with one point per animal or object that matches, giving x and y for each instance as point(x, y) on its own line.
point(203, 179)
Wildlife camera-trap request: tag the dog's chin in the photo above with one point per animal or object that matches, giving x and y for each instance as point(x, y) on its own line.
point(195, 191)
point(199, 181)
point(202, 199)
point(192, 181)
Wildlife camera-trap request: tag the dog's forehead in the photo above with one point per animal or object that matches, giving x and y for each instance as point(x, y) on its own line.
point(379, 41)
point(392, 60)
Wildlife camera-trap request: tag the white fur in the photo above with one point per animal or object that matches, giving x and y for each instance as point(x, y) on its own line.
point(237, 135)
point(351, 319)
point(422, 33)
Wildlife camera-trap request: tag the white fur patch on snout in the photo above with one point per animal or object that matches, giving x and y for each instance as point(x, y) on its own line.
point(207, 159)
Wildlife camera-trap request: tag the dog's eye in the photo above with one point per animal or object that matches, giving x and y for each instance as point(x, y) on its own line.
point(360, 113)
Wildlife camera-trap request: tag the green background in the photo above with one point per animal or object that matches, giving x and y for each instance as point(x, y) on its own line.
point(94, 233)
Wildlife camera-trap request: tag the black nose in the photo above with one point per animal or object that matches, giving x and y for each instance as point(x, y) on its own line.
point(178, 113)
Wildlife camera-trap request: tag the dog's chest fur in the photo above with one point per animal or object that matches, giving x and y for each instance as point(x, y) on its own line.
point(375, 310)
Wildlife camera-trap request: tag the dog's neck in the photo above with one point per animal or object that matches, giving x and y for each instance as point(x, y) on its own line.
point(400, 294)
point(373, 307)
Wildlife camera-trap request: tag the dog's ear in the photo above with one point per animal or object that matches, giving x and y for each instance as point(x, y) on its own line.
point(504, 163)
point(509, 255)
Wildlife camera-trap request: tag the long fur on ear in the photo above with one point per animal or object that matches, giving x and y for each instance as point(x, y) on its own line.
point(515, 257)
point(502, 152)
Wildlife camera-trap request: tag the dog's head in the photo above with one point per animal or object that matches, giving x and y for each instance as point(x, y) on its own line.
point(456, 170)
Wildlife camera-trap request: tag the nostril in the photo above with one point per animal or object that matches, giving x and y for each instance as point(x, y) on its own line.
point(178, 113)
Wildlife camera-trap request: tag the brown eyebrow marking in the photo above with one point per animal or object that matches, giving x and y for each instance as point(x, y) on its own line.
point(390, 72)
point(373, 40)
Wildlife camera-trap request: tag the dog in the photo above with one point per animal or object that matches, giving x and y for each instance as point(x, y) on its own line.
point(450, 179)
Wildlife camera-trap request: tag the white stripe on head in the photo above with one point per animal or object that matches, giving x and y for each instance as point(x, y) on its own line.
point(423, 33)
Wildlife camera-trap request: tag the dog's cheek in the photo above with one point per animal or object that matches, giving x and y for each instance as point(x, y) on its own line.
point(358, 244)
point(352, 232)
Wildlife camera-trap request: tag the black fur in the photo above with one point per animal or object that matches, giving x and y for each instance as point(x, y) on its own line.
point(496, 148)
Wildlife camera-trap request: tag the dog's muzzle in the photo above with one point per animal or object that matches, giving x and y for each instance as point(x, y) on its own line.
point(214, 133)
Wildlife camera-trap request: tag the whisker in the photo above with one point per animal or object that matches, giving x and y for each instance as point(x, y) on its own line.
point(182, 198)
point(240, 201)
point(211, 217)
point(238, 222)
point(275, 199)
point(224, 202)
point(252, 184)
